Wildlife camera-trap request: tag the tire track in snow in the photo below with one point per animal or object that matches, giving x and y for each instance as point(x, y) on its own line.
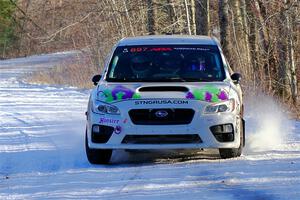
point(46, 125)
point(32, 117)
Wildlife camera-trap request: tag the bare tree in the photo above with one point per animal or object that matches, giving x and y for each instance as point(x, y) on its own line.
point(240, 30)
point(193, 17)
point(252, 40)
point(150, 17)
point(224, 25)
point(172, 15)
point(291, 53)
point(188, 17)
point(202, 17)
point(128, 18)
point(260, 38)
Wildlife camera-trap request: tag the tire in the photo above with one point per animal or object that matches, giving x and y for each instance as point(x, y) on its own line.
point(230, 153)
point(97, 156)
point(235, 152)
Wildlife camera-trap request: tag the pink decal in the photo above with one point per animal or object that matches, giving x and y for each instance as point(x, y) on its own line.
point(126, 93)
point(125, 121)
point(190, 95)
point(118, 129)
point(109, 121)
point(223, 96)
point(208, 96)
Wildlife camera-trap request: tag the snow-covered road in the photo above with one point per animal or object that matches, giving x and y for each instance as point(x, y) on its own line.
point(42, 152)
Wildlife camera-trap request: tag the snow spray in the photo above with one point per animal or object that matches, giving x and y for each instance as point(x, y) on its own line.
point(267, 126)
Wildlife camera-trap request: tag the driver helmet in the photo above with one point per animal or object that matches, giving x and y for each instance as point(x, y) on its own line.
point(170, 63)
point(141, 66)
point(198, 64)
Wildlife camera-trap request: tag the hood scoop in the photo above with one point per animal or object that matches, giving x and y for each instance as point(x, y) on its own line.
point(164, 89)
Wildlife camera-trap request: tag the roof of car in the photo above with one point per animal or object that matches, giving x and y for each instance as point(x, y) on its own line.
point(167, 39)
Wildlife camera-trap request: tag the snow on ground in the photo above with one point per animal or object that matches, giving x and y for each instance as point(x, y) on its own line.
point(42, 151)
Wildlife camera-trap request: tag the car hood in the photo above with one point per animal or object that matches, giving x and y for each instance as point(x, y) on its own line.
point(205, 91)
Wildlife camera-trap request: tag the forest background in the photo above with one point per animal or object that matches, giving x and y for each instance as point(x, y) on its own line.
point(260, 38)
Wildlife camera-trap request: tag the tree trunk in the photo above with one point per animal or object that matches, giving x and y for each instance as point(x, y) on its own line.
point(150, 17)
point(282, 51)
point(240, 29)
point(187, 17)
point(193, 18)
point(252, 40)
point(262, 30)
point(128, 18)
point(202, 17)
point(171, 13)
point(246, 38)
point(224, 26)
point(118, 19)
point(291, 54)
point(264, 38)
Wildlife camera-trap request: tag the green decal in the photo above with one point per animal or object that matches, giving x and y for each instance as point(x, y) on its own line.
point(108, 95)
point(199, 94)
point(211, 89)
point(136, 96)
point(208, 93)
point(215, 98)
point(120, 95)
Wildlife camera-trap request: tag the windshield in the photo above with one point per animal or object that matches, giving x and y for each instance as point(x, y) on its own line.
point(178, 63)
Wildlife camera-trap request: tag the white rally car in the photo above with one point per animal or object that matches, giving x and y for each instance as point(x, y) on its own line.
point(165, 92)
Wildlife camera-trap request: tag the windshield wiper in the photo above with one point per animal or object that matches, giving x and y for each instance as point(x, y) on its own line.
point(167, 79)
point(172, 79)
point(199, 80)
point(175, 79)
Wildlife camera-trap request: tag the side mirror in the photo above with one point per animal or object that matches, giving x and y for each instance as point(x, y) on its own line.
point(96, 79)
point(236, 77)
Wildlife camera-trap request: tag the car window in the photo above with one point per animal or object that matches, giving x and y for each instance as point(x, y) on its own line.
point(166, 63)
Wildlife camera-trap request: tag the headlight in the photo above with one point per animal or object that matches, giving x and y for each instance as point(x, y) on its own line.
point(104, 108)
point(226, 106)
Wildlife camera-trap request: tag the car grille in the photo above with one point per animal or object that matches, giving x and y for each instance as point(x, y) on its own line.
point(162, 139)
point(161, 116)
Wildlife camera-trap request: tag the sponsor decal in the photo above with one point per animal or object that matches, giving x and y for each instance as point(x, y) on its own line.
point(118, 93)
point(125, 121)
point(164, 101)
point(163, 49)
point(108, 121)
point(118, 129)
point(153, 49)
point(208, 93)
point(191, 49)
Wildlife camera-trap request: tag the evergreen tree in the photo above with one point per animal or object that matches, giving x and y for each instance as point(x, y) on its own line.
point(7, 25)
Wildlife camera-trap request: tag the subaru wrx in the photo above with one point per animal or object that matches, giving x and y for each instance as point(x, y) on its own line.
point(165, 92)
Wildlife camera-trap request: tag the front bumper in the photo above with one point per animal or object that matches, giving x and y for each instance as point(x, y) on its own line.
point(200, 125)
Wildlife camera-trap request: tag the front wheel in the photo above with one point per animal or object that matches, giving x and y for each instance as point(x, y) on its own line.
point(230, 153)
point(97, 156)
point(235, 152)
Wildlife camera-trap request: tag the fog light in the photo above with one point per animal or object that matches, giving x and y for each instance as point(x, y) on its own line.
point(216, 129)
point(96, 129)
point(227, 128)
point(101, 133)
point(223, 132)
